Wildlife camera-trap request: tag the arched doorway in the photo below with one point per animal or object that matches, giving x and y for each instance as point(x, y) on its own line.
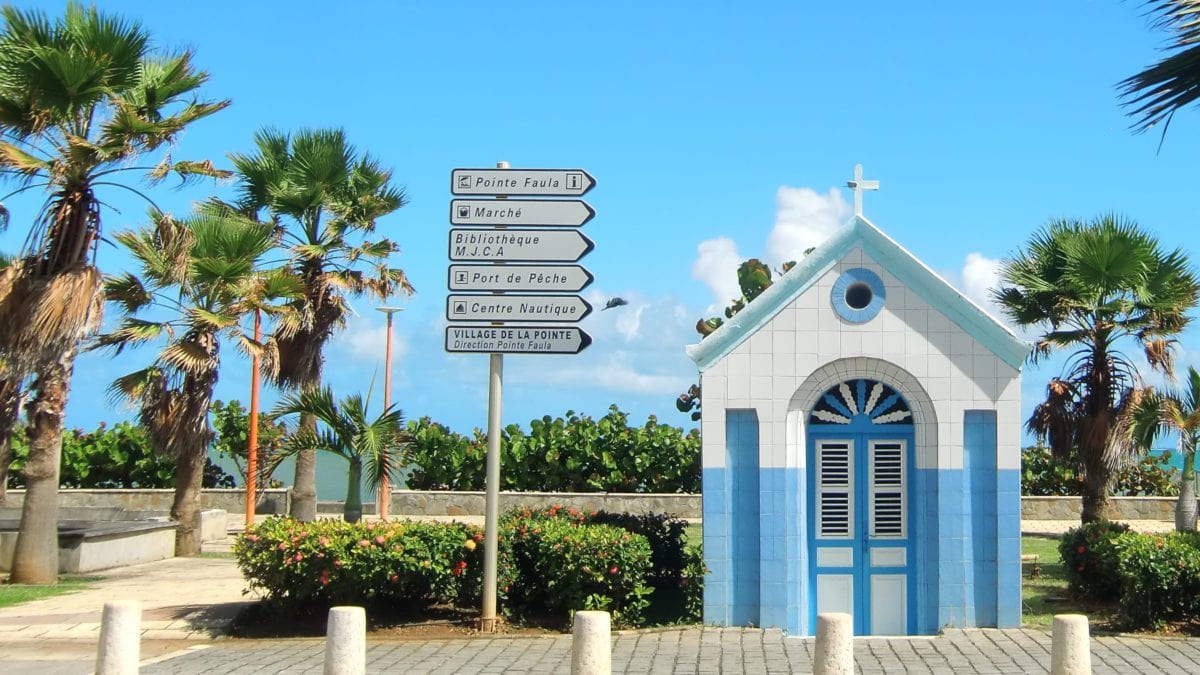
point(861, 448)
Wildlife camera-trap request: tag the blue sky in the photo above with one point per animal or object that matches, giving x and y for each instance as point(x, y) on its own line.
point(716, 133)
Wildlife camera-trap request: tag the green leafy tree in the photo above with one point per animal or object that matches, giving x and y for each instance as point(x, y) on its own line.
point(1174, 412)
point(1096, 287)
point(197, 274)
point(1155, 94)
point(82, 97)
point(326, 198)
point(231, 423)
point(348, 432)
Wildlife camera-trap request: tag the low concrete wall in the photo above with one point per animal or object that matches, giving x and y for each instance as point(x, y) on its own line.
point(91, 546)
point(434, 503)
point(1124, 508)
point(231, 500)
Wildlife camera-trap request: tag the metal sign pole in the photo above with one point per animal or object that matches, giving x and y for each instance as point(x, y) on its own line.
point(491, 518)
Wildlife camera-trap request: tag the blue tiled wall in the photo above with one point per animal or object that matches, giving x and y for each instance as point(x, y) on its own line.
point(744, 497)
point(979, 478)
point(1008, 548)
point(783, 562)
point(925, 518)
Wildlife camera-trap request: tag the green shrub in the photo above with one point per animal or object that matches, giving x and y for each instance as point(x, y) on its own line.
point(328, 562)
point(556, 566)
point(1091, 561)
point(1041, 476)
point(692, 583)
point(120, 456)
point(572, 454)
point(1161, 578)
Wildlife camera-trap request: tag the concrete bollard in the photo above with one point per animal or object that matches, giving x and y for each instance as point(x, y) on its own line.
point(1071, 649)
point(834, 654)
point(346, 641)
point(591, 644)
point(120, 638)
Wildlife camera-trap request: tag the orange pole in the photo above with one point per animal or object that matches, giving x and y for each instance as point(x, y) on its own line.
point(387, 397)
point(252, 450)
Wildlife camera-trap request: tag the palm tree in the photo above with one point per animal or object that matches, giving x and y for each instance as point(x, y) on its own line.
point(199, 273)
point(1157, 92)
point(81, 97)
point(1094, 287)
point(349, 434)
point(327, 198)
point(1175, 412)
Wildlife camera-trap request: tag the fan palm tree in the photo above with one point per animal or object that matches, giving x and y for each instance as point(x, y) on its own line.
point(1174, 412)
point(81, 97)
point(347, 432)
point(200, 274)
point(1096, 287)
point(326, 198)
point(1157, 92)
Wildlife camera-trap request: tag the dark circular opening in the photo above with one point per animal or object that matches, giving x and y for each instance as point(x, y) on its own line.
point(858, 295)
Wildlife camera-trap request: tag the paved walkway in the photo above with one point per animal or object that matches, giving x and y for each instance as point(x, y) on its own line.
point(188, 604)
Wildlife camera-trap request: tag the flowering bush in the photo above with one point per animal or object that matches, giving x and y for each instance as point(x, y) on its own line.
point(330, 561)
point(554, 566)
point(1090, 560)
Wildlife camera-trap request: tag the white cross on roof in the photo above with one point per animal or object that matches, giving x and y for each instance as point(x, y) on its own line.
point(858, 185)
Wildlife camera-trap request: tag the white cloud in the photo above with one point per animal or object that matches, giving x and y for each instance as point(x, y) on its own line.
point(981, 274)
point(803, 219)
point(716, 266)
point(365, 341)
point(616, 371)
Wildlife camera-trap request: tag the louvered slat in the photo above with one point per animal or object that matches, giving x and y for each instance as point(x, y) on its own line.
point(887, 489)
point(835, 483)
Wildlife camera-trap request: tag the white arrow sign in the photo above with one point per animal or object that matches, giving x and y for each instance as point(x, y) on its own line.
point(516, 339)
point(564, 213)
point(543, 278)
point(534, 182)
point(518, 245)
point(519, 308)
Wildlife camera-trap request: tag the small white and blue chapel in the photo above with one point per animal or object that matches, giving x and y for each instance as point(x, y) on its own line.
point(861, 452)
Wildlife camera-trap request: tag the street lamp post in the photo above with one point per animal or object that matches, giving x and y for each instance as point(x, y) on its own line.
point(252, 450)
point(384, 487)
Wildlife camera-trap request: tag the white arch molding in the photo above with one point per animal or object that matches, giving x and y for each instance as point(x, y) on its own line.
point(838, 371)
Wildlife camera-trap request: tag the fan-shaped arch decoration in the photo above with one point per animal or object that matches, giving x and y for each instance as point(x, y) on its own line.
point(861, 399)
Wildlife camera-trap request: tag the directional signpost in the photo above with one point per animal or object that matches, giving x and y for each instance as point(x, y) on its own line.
point(517, 339)
point(526, 308)
point(525, 182)
point(520, 212)
point(505, 294)
point(519, 278)
point(518, 245)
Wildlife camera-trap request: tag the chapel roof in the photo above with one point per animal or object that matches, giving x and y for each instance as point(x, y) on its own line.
point(913, 273)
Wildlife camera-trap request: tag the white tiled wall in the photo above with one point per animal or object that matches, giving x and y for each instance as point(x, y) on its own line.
point(807, 347)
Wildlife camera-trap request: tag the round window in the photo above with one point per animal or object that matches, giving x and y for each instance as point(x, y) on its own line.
point(858, 295)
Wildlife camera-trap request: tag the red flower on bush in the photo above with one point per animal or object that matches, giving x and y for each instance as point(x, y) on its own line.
point(283, 546)
point(324, 541)
point(1081, 549)
point(298, 557)
point(380, 540)
point(252, 537)
point(363, 543)
point(460, 567)
point(614, 570)
point(324, 578)
point(395, 578)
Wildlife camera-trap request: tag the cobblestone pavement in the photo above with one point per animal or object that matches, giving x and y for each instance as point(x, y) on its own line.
point(696, 650)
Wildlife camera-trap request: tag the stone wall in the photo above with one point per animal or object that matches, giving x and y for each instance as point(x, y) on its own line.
point(231, 500)
point(1124, 508)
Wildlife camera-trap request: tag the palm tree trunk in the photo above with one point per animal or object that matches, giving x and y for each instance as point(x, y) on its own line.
point(10, 412)
point(353, 509)
point(35, 560)
point(1095, 498)
point(304, 488)
point(185, 510)
point(1185, 508)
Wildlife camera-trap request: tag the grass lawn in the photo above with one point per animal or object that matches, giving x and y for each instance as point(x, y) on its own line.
point(15, 594)
point(1045, 594)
